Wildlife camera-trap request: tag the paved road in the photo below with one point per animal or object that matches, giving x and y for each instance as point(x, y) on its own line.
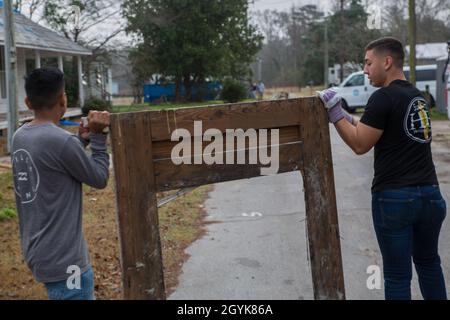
point(257, 250)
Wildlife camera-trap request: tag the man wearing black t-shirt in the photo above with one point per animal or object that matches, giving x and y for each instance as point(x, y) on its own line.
point(407, 206)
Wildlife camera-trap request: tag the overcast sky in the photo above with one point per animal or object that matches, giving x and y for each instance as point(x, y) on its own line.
point(286, 4)
point(104, 28)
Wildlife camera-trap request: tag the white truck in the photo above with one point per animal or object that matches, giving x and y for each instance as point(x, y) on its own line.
point(356, 89)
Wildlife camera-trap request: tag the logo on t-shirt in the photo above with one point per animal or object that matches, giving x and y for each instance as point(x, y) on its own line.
point(26, 176)
point(417, 121)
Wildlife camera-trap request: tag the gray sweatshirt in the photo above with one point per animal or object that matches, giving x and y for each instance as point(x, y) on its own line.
point(50, 165)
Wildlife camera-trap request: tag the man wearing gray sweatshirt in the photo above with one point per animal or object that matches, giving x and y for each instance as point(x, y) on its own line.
point(50, 165)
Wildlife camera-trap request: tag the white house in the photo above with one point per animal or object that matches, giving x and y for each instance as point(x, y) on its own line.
point(334, 72)
point(427, 53)
point(34, 43)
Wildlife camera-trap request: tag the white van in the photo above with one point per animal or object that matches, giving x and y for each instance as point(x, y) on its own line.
point(425, 76)
point(355, 91)
point(356, 88)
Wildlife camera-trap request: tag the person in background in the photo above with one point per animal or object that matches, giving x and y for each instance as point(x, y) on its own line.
point(261, 88)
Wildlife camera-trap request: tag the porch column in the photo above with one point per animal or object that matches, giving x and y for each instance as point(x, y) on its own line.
point(60, 63)
point(80, 81)
point(37, 59)
point(110, 84)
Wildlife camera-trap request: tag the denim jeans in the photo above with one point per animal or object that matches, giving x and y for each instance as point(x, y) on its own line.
point(60, 291)
point(407, 224)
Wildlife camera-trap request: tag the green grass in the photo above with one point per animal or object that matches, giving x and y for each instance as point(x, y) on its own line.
point(7, 201)
point(7, 213)
point(436, 115)
point(170, 105)
point(148, 106)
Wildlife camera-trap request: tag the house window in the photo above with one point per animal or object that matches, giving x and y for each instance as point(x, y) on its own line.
point(2, 74)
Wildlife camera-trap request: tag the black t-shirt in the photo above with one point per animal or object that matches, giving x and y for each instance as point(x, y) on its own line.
point(403, 154)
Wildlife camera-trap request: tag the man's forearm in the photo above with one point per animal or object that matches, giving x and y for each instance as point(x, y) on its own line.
point(360, 137)
point(349, 133)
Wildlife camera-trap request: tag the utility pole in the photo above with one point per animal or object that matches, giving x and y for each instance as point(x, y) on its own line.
point(342, 34)
point(259, 69)
point(11, 71)
point(412, 41)
point(326, 56)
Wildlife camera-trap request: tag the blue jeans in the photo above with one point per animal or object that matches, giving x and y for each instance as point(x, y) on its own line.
point(60, 291)
point(407, 223)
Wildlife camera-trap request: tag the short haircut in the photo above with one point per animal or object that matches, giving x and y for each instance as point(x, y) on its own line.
point(44, 87)
point(389, 46)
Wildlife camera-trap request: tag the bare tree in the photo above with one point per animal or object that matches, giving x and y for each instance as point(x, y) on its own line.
point(30, 6)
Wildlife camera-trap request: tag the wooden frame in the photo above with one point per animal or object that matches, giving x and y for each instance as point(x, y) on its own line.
point(141, 153)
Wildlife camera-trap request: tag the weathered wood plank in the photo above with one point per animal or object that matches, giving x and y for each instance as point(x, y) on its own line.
point(321, 210)
point(169, 176)
point(163, 149)
point(257, 115)
point(141, 257)
point(142, 149)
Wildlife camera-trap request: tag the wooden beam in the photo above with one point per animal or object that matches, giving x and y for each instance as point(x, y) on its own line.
point(321, 210)
point(143, 165)
point(255, 115)
point(169, 176)
point(163, 149)
point(141, 255)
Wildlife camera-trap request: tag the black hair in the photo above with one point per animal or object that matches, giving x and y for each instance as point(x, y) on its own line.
point(43, 87)
point(389, 46)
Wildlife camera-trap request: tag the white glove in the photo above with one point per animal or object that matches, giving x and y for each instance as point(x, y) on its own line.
point(330, 98)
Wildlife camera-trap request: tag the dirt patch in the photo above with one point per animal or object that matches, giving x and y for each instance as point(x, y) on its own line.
point(181, 223)
point(5, 164)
